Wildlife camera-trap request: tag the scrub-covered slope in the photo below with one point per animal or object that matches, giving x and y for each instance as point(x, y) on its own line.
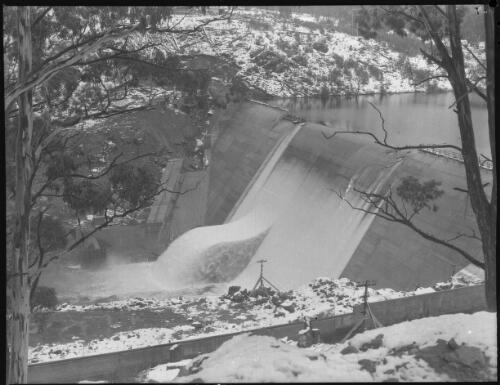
point(301, 55)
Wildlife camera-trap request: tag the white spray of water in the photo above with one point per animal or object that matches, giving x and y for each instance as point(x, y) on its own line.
point(310, 230)
point(316, 232)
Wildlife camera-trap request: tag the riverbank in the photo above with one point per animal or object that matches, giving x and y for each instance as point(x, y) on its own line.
point(114, 325)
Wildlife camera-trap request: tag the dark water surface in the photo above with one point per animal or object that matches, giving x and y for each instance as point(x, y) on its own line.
point(413, 118)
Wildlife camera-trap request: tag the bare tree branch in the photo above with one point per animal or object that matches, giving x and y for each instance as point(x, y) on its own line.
point(110, 219)
point(48, 70)
point(467, 191)
point(384, 141)
point(475, 57)
point(486, 158)
point(382, 121)
point(476, 89)
point(466, 93)
point(397, 148)
point(401, 12)
point(430, 78)
point(399, 217)
point(460, 235)
point(432, 58)
point(41, 16)
point(438, 8)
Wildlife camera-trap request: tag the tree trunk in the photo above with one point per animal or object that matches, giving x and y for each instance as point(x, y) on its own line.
point(483, 210)
point(490, 250)
point(18, 287)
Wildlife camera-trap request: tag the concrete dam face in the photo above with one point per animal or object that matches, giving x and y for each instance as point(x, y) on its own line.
point(274, 193)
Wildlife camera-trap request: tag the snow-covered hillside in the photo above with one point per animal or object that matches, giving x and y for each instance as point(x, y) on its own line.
point(454, 347)
point(303, 56)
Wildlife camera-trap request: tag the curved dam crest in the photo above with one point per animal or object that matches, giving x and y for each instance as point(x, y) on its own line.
point(290, 213)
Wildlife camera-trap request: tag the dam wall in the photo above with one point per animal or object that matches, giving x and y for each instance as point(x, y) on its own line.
point(244, 140)
point(318, 234)
point(299, 187)
point(395, 256)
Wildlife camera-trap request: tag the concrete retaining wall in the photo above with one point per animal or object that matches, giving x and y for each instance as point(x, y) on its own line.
point(462, 300)
point(122, 366)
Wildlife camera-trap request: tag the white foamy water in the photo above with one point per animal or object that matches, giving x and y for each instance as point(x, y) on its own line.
point(316, 232)
point(176, 267)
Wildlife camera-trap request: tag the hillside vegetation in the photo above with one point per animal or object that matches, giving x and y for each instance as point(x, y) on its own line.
point(299, 55)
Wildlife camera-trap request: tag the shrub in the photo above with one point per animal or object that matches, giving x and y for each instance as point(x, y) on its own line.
point(420, 74)
point(335, 75)
point(272, 61)
point(320, 46)
point(44, 297)
point(339, 60)
point(300, 59)
point(256, 51)
point(375, 72)
point(282, 44)
point(419, 195)
point(296, 35)
point(409, 45)
point(363, 76)
point(324, 93)
point(259, 25)
point(308, 49)
point(350, 63)
point(289, 48)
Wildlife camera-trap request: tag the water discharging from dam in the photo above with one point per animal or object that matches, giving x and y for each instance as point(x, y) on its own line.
point(291, 215)
point(272, 195)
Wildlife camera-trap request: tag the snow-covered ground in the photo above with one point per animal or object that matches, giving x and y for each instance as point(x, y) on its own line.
point(281, 57)
point(454, 347)
point(213, 315)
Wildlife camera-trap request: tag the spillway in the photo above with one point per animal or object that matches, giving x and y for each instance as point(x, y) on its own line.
point(290, 214)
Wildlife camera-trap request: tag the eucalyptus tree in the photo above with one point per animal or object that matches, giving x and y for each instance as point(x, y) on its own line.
point(63, 66)
point(441, 26)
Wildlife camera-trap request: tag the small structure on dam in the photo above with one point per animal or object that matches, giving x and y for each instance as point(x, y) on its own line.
point(280, 200)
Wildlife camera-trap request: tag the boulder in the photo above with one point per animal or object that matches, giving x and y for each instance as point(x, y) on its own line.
point(465, 363)
point(349, 349)
point(368, 365)
point(373, 344)
point(470, 356)
point(452, 344)
point(238, 297)
point(233, 289)
point(279, 313)
point(275, 301)
point(263, 292)
point(285, 295)
point(288, 306)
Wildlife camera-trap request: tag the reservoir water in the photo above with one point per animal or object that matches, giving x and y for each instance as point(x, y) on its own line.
point(413, 118)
